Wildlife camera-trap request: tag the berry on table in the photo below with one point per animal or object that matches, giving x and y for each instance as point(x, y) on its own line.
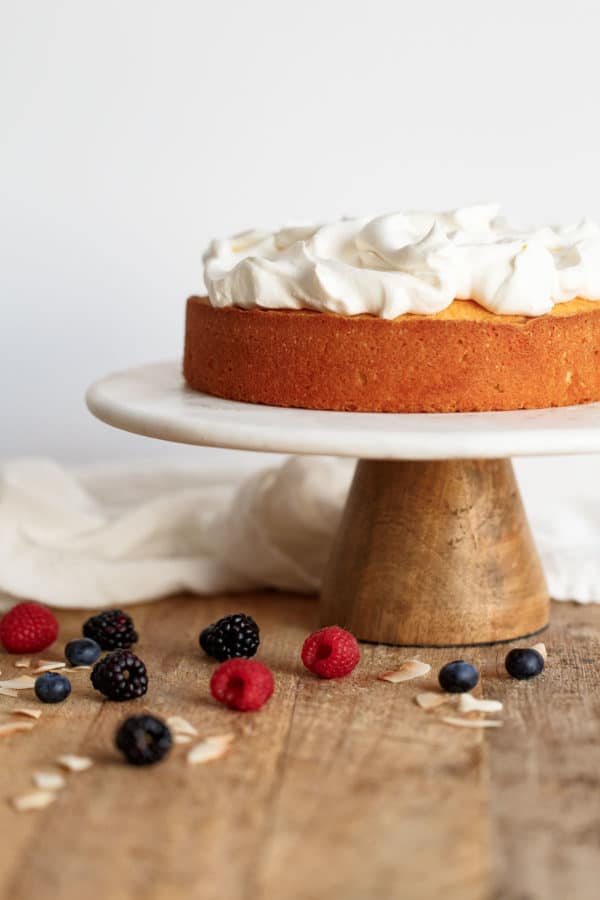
point(458, 677)
point(112, 630)
point(144, 740)
point(231, 637)
point(121, 675)
point(204, 638)
point(82, 652)
point(244, 684)
point(331, 652)
point(51, 687)
point(28, 628)
point(524, 663)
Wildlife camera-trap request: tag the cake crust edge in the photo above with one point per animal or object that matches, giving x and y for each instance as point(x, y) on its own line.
point(464, 359)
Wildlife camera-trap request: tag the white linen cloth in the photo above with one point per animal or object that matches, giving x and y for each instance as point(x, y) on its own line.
point(123, 534)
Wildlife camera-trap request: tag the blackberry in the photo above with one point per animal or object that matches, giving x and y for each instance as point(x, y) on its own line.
point(232, 636)
point(144, 740)
point(112, 629)
point(121, 675)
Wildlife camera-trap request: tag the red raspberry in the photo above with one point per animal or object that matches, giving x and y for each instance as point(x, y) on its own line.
point(28, 628)
point(331, 652)
point(242, 684)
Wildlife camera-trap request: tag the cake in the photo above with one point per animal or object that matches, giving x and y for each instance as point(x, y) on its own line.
point(407, 312)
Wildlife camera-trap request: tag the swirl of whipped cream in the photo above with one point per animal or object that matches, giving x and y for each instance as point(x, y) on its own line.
point(407, 263)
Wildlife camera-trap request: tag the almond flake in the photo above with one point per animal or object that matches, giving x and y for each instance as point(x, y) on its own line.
point(541, 649)
point(468, 703)
point(22, 683)
point(35, 800)
point(23, 663)
point(48, 781)
point(182, 738)
point(8, 728)
point(411, 668)
point(181, 726)
point(79, 669)
point(26, 711)
point(74, 763)
point(471, 723)
point(431, 699)
point(7, 692)
point(47, 665)
point(210, 748)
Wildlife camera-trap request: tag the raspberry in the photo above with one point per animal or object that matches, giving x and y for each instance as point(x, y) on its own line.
point(28, 628)
point(231, 636)
point(331, 652)
point(144, 740)
point(112, 629)
point(120, 676)
point(243, 684)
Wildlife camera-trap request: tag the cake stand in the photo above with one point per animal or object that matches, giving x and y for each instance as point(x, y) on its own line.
point(433, 548)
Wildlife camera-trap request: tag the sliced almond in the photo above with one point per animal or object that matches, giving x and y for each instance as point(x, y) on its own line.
point(35, 800)
point(471, 723)
point(8, 728)
point(467, 703)
point(541, 649)
point(181, 726)
point(48, 781)
point(411, 668)
point(7, 692)
point(23, 663)
point(210, 748)
point(79, 669)
point(47, 665)
point(22, 683)
point(74, 763)
point(182, 738)
point(431, 699)
point(27, 711)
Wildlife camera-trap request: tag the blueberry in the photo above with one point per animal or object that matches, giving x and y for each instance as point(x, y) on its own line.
point(52, 687)
point(458, 677)
point(524, 663)
point(82, 652)
point(205, 635)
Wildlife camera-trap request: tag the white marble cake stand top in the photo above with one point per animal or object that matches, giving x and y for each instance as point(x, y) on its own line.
point(153, 400)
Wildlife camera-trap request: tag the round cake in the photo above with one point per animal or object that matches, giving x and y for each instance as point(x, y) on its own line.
point(415, 312)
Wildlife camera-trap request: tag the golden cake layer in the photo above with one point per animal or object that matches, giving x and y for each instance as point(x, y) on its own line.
point(459, 360)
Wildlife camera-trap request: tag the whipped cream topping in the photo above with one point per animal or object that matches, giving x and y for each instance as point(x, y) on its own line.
point(415, 262)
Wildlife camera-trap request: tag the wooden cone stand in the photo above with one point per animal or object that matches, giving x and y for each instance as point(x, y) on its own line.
point(435, 554)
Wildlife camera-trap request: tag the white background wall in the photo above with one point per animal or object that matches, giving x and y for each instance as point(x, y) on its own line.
point(134, 130)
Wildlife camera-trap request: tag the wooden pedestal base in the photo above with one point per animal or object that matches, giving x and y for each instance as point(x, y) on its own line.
point(435, 554)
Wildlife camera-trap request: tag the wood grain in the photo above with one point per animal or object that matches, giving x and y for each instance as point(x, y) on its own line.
point(335, 789)
point(435, 554)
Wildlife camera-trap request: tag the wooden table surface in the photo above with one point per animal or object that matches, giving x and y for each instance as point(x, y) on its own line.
point(336, 789)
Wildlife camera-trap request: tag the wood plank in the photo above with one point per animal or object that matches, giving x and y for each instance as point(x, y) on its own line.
point(545, 769)
point(343, 788)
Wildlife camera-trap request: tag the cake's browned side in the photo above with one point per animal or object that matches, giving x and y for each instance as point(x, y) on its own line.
point(468, 360)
